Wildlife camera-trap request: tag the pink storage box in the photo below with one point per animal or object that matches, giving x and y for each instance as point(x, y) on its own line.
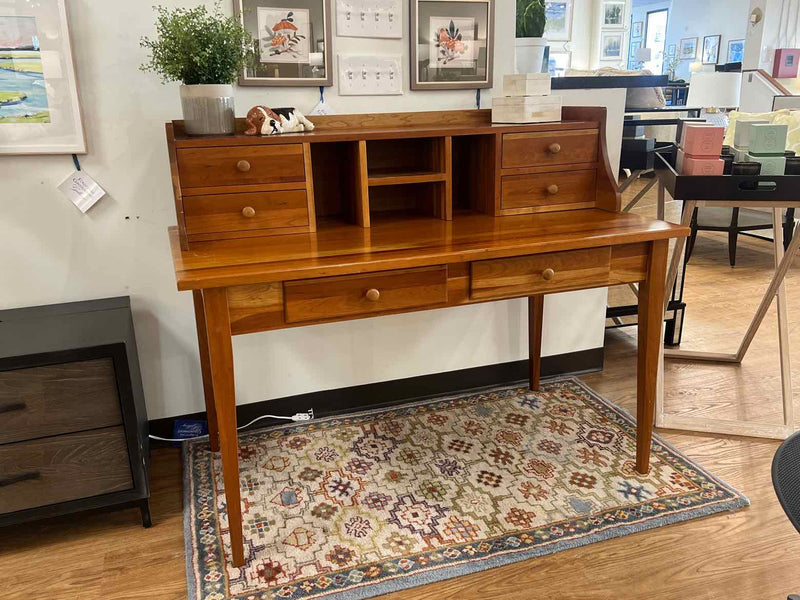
point(702, 165)
point(702, 141)
point(786, 62)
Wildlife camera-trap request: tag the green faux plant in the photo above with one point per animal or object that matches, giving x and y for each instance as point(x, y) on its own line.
point(531, 18)
point(195, 46)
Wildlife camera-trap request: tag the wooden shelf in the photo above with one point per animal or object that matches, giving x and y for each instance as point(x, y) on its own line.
point(392, 177)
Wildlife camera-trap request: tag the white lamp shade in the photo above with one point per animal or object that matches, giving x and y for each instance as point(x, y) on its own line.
point(718, 90)
point(644, 54)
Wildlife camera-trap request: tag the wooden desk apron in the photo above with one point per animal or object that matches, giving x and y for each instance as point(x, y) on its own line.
point(379, 214)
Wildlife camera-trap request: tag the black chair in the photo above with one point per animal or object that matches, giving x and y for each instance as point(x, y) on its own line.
point(786, 480)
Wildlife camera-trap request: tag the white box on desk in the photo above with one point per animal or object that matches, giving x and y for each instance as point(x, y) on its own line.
point(526, 109)
point(526, 84)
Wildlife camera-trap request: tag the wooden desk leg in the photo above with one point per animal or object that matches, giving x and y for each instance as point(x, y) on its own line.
point(651, 316)
point(535, 314)
point(205, 367)
point(220, 351)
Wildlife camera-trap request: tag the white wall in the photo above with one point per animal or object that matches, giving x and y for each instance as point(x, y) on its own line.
point(51, 253)
point(690, 18)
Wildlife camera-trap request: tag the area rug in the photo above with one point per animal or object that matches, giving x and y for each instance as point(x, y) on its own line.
point(350, 508)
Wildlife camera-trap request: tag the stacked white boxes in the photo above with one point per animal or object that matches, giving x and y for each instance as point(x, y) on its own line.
point(526, 99)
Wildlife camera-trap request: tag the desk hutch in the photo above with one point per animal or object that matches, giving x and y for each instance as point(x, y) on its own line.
point(384, 213)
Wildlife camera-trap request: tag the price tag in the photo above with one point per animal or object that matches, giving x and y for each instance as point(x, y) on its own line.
point(82, 190)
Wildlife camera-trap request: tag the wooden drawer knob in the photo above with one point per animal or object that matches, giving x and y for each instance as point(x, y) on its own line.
point(554, 148)
point(248, 212)
point(548, 274)
point(243, 166)
point(373, 295)
point(552, 189)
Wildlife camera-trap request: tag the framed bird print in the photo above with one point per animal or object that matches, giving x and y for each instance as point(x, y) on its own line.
point(291, 42)
point(451, 44)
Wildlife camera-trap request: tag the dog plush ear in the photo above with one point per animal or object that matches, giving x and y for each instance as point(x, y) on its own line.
point(255, 118)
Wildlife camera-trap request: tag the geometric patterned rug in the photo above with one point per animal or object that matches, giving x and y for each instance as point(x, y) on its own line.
point(352, 507)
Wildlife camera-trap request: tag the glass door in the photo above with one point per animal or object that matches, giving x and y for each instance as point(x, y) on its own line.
point(654, 38)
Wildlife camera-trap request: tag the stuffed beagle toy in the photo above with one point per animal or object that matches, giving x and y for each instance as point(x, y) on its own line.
point(262, 120)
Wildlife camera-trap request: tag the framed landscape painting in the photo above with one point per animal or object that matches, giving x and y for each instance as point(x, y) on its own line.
point(558, 27)
point(39, 108)
point(613, 13)
point(292, 42)
point(688, 49)
point(610, 46)
point(636, 29)
point(451, 44)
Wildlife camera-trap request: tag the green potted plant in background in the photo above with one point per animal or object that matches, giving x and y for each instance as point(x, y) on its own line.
point(205, 51)
point(532, 52)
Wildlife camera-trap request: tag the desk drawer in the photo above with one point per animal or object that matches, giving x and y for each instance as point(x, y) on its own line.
point(55, 399)
point(372, 293)
point(540, 273)
point(242, 212)
point(549, 191)
point(549, 148)
point(237, 165)
point(63, 468)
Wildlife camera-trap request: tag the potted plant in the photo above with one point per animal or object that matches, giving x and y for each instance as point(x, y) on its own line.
point(205, 51)
point(532, 52)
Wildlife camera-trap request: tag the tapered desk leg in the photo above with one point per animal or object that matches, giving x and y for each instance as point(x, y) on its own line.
point(651, 315)
point(535, 315)
point(205, 367)
point(220, 352)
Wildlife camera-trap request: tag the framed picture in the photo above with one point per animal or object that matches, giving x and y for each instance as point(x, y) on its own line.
point(688, 49)
point(711, 49)
point(672, 50)
point(558, 27)
point(610, 45)
point(451, 44)
point(559, 63)
point(735, 51)
point(613, 13)
point(637, 29)
point(292, 41)
point(635, 47)
point(39, 107)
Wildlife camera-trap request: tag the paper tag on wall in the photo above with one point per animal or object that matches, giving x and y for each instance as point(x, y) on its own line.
point(82, 190)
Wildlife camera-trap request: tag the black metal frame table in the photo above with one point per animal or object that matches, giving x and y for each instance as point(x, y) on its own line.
point(766, 191)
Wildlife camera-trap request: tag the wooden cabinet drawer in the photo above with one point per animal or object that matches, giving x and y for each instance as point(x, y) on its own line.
point(549, 191)
point(235, 165)
point(549, 148)
point(55, 399)
point(540, 273)
point(63, 468)
point(241, 212)
point(373, 293)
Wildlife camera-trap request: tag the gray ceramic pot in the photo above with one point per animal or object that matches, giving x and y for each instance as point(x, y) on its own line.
point(208, 109)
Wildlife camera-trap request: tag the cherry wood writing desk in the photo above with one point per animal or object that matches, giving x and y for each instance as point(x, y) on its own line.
point(378, 214)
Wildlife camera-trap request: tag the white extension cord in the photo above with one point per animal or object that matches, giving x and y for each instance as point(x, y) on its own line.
point(306, 416)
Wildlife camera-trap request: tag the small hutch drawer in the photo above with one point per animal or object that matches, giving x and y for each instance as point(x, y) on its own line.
point(372, 293)
point(549, 191)
point(55, 399)
point(237, 165)
point(243, 212)
point(540, 273)
point(549, 148)
point(63, 468)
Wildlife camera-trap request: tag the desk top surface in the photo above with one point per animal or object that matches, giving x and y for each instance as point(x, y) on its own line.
point(339, 248)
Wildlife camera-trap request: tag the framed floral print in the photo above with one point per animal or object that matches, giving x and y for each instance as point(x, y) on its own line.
point(291, 42)
point(39, 107)
point(452, 44)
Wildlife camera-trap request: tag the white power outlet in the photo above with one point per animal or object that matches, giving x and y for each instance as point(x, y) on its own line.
point(369, 18)
point(380, 75)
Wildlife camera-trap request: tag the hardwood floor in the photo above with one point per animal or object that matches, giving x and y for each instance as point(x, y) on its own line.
point(750, 554)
